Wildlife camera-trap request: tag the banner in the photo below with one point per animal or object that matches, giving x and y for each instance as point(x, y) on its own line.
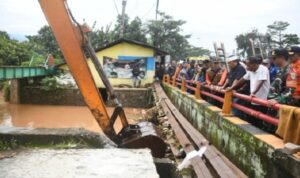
point(115, 68)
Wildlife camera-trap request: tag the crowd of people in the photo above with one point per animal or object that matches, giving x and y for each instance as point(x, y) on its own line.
point(276, 78)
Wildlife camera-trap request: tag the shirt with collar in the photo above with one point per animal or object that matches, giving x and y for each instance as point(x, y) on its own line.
point(262, 73)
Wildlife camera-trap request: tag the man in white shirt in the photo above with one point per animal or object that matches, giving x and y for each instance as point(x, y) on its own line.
point(259, 77)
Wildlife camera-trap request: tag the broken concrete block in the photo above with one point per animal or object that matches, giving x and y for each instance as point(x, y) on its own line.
point(290, 148)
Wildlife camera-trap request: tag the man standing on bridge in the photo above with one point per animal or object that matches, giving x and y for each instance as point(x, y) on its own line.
point(259, 78)
point(237, 71)
point(279, 93)
point(293, 79)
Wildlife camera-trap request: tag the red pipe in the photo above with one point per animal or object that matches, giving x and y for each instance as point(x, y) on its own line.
point(257, 114)
point(248, 98)
point(191, 88)
point(213, 96)
point(249, 111)
point(255, 100)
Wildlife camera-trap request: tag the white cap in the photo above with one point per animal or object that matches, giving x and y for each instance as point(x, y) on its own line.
point(266, 61)
point(232, 58)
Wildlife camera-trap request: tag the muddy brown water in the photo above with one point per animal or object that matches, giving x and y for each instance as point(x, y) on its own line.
point(49, 116)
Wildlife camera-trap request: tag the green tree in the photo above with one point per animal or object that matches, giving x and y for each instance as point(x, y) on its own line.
point(244, 44)
point(44, 43)
point(197, 51)
point(116, 32)
point(279, 39)
point(291, 39)
point(12, 52)
point(135, 30)
point(165, 34)
point(100, 37)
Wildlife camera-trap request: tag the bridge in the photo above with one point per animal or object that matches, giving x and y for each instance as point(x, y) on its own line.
point(17, 72)
point(258, 153)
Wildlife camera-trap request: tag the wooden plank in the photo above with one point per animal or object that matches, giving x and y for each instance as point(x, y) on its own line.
point(222, 166)
point(214, 159)
point(197, 163)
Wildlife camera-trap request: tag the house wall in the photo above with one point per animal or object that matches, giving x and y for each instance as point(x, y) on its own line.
point(124, 51)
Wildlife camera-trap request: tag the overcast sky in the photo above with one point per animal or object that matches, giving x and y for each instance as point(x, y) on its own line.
point(207, 20)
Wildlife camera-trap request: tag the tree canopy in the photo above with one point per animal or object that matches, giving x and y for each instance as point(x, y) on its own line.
point(13, 52)
point(273, 38)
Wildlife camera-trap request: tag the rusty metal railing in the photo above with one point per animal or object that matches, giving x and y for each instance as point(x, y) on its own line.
point(227, 100)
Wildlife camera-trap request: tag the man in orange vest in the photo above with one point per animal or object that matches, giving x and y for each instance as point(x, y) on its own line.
point(216, 75)
point(293, 78)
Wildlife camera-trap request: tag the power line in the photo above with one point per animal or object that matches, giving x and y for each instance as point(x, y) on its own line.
point(116, 7)
point(148, 11)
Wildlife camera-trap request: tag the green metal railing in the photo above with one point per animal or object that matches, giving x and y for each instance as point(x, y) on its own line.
point(15, 72)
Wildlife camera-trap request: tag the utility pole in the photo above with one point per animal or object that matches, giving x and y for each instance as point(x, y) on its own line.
point(156, 12)
point(123, 18)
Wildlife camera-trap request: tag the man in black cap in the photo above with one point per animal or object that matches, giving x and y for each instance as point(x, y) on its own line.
point(279, 93)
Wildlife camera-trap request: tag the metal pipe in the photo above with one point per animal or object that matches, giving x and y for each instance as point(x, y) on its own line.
point(257, 114)
point(248, 98)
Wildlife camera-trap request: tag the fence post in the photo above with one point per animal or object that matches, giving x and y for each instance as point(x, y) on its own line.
point(168, 79)
point(174, 81)
point(226, 109)
point(183, 85)
point(197, 91)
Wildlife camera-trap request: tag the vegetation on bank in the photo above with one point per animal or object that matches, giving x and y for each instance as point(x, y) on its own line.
point(4, 87)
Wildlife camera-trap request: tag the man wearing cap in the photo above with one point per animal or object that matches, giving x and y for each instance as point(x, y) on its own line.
point(279, 93)
point(237, 71)
point(259, 78)
point(293, 78)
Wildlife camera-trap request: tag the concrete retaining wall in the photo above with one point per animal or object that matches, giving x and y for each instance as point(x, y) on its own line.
point(129, 97)
point(254, 151)
point(134, 97)
point(36, 95)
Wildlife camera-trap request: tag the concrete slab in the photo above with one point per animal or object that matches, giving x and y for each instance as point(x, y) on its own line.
point(104, 163)
point(16, 138)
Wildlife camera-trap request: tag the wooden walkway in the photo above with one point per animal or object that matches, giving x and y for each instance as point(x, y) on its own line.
point(213, 163)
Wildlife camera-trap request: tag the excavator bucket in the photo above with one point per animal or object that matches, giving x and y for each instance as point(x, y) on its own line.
point(74, 44)
point(142, 135)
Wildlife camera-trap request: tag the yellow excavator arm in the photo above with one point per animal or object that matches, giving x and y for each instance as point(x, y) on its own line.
point(71, 38)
